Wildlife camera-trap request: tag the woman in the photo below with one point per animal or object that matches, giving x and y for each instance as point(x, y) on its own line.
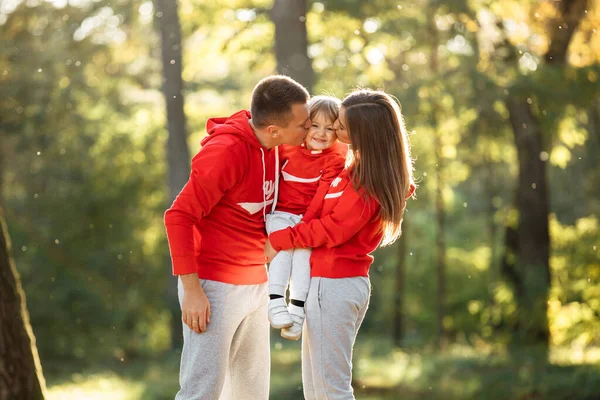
point(362, 209)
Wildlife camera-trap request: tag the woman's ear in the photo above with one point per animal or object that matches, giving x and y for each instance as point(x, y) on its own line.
point(411, 190)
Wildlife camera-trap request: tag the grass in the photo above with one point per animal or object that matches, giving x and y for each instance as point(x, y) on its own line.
point(380, 372)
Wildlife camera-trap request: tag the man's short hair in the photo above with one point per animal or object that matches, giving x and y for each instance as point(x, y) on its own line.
point(272, 100)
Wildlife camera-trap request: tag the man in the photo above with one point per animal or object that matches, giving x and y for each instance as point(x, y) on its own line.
point(216, 237)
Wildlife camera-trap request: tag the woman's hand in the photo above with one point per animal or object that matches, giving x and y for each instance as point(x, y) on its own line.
point(270, 252)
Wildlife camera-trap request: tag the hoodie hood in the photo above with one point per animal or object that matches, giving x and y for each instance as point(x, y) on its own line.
point(238, 125)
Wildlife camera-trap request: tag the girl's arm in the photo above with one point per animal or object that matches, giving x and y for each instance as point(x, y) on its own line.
point(331, 170)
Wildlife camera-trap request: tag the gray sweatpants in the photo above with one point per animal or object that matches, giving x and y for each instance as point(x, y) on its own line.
point(231, 360)
point(335, 309)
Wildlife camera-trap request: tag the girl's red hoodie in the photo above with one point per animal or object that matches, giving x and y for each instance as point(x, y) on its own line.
point(216, 225)
point(306, 176)
point(347, 231)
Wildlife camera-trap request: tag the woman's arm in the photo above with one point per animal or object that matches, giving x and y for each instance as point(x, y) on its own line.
point(350, 214)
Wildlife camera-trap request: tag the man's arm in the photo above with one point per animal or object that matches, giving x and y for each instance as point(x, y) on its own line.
point(215, 169)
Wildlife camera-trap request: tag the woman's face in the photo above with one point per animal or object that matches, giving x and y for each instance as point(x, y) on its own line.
point(340, 127)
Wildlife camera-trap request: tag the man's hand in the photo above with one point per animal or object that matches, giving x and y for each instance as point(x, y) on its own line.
point(195, 307)
point(270, 252)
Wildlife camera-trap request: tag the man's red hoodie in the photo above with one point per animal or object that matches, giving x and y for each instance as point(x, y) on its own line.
point(216, 225)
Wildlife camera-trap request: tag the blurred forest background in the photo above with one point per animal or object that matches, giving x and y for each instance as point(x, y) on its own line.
point(493, 291)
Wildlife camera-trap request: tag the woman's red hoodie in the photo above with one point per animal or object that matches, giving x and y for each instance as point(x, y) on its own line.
point(347, 231)
point(216, 225)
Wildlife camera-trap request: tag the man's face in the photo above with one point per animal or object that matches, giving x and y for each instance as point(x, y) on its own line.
point(297, 128)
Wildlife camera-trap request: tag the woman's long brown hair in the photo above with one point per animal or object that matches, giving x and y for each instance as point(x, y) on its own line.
point(382, 164)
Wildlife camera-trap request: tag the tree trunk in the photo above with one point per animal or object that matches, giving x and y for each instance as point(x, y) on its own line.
point(440, 248)
point(399, 289)
point(178, 155)
point(291, 41)
point(592, 158)
point(1, 177)
point(533, 250)
point(491, 193)
point(594, 123)
point(561, 29)
point(21, 374)
point(533, 232)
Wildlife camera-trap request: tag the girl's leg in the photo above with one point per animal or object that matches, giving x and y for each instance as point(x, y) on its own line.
point(281, 266)
point(300, 278)
point(299, 284)
point(331, 328)
point(279, 272)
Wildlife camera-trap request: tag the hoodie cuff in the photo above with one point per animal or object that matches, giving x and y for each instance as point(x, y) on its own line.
point(282, 240)
point(309, 216)
point(184, 265)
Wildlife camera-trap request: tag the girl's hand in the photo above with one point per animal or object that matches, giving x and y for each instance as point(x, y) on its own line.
point(270, 252)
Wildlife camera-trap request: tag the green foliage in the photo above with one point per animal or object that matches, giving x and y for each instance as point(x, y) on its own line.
point(380, 372)
point(575, 305)
point(85, 208)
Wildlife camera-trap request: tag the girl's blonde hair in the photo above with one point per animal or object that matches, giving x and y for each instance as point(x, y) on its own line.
point(328, 106)
point(382, 164)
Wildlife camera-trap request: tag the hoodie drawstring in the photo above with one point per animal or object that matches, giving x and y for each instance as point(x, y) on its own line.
point(264, 182)
point(276, 179)
point(276, 183)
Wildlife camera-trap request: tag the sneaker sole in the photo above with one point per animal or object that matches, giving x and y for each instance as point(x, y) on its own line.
point(282, 326)
point(290, 337)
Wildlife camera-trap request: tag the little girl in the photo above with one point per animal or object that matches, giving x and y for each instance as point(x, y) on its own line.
point(306, 175)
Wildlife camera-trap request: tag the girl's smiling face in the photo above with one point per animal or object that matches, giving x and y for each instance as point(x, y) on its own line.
point(321, 134)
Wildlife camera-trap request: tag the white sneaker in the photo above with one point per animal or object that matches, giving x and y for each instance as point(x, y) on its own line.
point(279, 316)
point(295, 331)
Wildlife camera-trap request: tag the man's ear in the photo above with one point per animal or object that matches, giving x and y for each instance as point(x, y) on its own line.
point(273, 130)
